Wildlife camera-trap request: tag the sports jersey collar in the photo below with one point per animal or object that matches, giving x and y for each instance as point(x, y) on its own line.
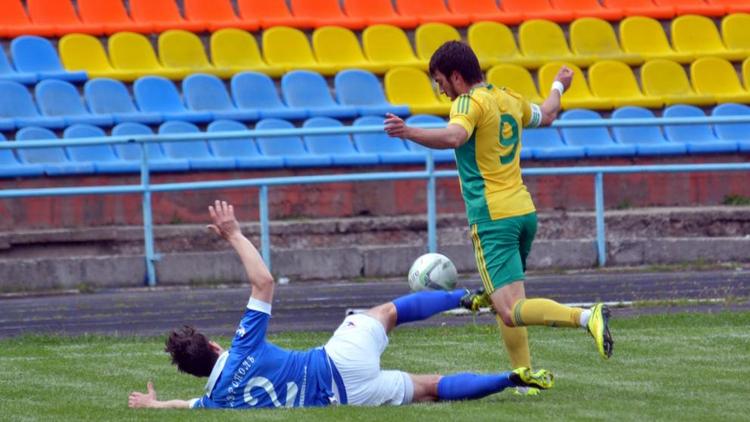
point(215, 372)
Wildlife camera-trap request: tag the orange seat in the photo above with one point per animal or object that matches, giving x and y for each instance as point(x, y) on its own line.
point(733, 6)
point(217, 14)
point(271, 13)
point(483, 10)
point(61, 15)
point(14, 21)
point(537, 9)
point(163, 15)
point(588, 8)
point(376, 12)
point(111, 15)
point(431, 11)
point(325, 13)
point(641, 8)
point(693, 7)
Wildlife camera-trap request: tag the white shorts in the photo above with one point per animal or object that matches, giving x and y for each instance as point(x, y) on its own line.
point(355, 349)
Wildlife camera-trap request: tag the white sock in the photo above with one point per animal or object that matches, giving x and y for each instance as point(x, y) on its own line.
point(585, 315)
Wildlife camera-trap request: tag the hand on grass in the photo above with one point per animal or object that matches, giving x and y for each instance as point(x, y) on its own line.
point(140, 400)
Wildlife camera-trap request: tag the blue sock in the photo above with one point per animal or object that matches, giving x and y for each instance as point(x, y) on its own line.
point(466, 386)
point(422, 305)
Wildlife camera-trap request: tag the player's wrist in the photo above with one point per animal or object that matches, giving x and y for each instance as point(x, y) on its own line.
point(558, 86)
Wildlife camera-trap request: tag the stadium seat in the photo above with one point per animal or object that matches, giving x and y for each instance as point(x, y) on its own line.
point(32, 54)
point(406, 85)
point(111, 16)
point(157, 161)
point(375, 12)
point(646, 37)
point(483, 10)
point(588, 8)
point(431, 11)
point(595, 37)
point(102, 156)
point(17, 109)
point(290, 147)
point(217, 14)
point(389, 44)
point(733, 6)
point(162, 15)
point(236, 50)
point(493, 43)
point(289, 48)
point(667, 80)
point(338, 146)
point(338, 47)
point(81, 52)
point(746, 73)
point(699, 138)
point(641, 8)
point(648, 140)
point(196, 152)
point(430, 36)
point(9, 73)
point(325, 13)
point(697, 7)
point(438, 155)
point(61, 15)
point(596, 141)
point(734, 31)
point(717, 77)
point(547, 144)
point(15, 22)
point(207, 93)
point(578, 94)
point(545, 41)
point(132, 53)
point(53, 159)
point(11, 167)
point(245, 151)
point(733, 132)
point(309, 90)
point(272, 13)
point(111, 98)
point(61, 99)
point(615, 80)
point(698, 35)
point(257, 91)
point(389, 150)
point(159, 95)
point(180, 50)
point(516, 78)
point(537, 9)
point(362, 89)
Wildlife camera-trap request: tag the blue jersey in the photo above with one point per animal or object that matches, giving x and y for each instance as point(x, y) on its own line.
point(256, 373)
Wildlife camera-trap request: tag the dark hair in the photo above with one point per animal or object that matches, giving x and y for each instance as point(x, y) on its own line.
point(191, 352)
point(456, 56)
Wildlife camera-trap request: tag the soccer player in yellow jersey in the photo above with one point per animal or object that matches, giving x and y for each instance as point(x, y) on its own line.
point(485, 128)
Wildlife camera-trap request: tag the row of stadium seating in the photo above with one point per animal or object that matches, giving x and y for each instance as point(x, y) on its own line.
point(59, 17)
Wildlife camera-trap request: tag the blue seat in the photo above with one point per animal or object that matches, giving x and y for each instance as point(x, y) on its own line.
point(734, 132)
point(699, 138)
point(257, 91)
point(596, 141)
point(290, 147)
point(362, 90)
point(60, 99)
point(547, 144)
point(309, 90)
point(111, 98)
point(339, 147)
point(207, 93)
point(439, 155)
point(9, 73)
point(32, 54)
point(11, 167)
point(245, 151)
point(157, 161)
point(17, 109)
point(389, 150)
point(54, 159)
point(102, 156)
point(196, 152)
point(648, 140)
point(159, 95)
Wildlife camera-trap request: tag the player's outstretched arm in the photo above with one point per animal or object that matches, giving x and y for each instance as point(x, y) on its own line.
point(225, 225)
point(551, 106)
point(148, 400)
point(452, 136)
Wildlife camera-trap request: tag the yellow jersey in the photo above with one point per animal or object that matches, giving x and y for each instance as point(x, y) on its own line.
point(488, 162)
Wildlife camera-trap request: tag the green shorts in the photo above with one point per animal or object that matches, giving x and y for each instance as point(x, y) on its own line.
point(501, 247)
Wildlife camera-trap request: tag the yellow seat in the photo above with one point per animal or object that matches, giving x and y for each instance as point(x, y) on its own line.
point(667, 80)
point(494, 44)
point(578, 94)
point(646, 37)
point(338, 47)
point(180, 49)
point(615, 80)
point(289, 48)
point(410, 86)
point(595, 37)
point(133, 53)
point(85, 52)
point(735, 30)
point(544, 40)
point(516, 78)
point(746, 73)
point(388, 44)
point(430, 36)
point(697, 35)
point(717, 77)
point(237, 50)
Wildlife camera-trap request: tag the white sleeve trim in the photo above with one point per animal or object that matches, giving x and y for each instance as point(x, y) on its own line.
point(536, 116)
point(193, 402)
point(258, 305)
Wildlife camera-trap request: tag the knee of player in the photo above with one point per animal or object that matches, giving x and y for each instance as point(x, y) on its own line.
point(506, 315)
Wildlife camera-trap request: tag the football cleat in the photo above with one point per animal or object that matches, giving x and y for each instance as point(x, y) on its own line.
point(475, 300)
point(526, 391)
point(598, 327)
point(538, 380)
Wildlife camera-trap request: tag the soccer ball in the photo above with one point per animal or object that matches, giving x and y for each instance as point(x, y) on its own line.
point(432, 271)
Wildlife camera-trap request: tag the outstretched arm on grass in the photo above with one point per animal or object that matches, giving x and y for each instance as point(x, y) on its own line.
point(148, 400)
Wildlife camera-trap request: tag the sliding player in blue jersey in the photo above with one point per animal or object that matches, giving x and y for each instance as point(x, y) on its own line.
point(255, 373)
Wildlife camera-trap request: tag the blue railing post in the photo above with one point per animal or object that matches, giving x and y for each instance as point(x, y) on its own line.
point(601, 238)
point(431, 204)
point(148, 226)
point(265, 235)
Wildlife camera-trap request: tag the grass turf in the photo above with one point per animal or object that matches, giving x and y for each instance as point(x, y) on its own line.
point(685, 367)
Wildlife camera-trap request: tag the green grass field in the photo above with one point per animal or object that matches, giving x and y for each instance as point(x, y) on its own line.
point(678, 367)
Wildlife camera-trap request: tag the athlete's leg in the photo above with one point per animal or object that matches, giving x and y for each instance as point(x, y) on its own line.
point(468, 386)
point(415, 307)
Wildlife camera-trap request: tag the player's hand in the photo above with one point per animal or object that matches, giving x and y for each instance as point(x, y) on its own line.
point(138, 400)
point(225, 224)
point(395, 126)
point(565, 76)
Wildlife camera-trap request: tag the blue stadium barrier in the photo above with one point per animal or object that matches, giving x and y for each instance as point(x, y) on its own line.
point(699, 139)
point(389, 150)
point(11, 167)
point(196, 151)
point(245, 153)
point(648, 140)
point(157, 161)
point(290, 147)
point(339, 147)
point(101, 156)
point(595, 141)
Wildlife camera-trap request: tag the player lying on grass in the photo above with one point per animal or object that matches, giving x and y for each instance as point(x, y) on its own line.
point(256, 373)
